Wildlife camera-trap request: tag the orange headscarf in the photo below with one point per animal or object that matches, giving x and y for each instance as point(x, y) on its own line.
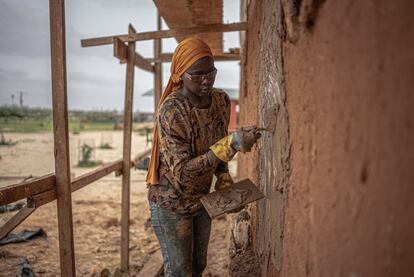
point(185, 55)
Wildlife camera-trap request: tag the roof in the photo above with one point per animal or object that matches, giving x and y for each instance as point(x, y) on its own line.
point(191, 13)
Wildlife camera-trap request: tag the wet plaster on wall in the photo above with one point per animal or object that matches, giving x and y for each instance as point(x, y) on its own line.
point(274, 146)
point(263, 102)
point(248, 163)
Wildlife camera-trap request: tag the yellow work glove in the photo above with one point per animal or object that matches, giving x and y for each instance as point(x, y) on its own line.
point(242, 140)
point(223, 148)
point(224, 180)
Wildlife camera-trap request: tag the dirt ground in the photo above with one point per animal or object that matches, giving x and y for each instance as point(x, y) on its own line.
point(96, 211)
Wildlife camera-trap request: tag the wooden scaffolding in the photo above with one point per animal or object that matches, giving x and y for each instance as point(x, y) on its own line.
point(59, 185)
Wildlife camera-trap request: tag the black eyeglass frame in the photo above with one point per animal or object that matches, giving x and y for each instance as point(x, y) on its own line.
point(198, 78)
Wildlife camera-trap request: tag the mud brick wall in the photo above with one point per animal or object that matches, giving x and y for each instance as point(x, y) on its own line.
point(263, 102)
point(333, 81)
point(248, 163)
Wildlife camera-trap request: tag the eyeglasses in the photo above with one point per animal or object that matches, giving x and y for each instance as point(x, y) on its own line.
point(199, 78)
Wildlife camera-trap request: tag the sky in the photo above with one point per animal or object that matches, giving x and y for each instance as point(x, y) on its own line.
point(96, 80)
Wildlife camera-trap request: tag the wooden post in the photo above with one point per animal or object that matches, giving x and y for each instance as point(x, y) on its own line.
point(13, 222)
point(61, 137)
point(120, 52)
point(157, 67)
point(126, 163)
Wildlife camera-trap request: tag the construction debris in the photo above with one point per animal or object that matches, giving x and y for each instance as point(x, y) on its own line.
point(244, 261)
point(26, 269)
point(11, 207)
point(23, 236)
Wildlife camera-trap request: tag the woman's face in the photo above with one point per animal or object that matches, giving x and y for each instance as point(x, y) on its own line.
point(199, 78)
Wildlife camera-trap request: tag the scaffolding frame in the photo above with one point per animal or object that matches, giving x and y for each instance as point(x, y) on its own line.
point(59, 186)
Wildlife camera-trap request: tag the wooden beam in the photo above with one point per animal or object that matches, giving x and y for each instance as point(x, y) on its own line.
point(37, 195)
point(141, 62)
point(45, 185)
point(120, 52)
point(154, 267)
point(210, 28)
point(185, 13)
point(41, 199)
point(15, 221)
point(126, 158)
point(157, 67)
point(61, 137)
point(79, 182)
point(167, 57)
point(90, 177)
point(19, 191)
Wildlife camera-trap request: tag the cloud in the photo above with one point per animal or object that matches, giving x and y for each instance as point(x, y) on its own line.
point(95, 78)
point(36, 91)
point(24, 33)
point(12, 75)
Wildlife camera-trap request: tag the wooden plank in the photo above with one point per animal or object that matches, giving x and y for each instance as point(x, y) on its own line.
point(18, 177)
point(167, 57)
point(126, 157)
point(13, 222)
point(185, 13)
point(142, 63)
point(41, 199)
point(87, 178)
point(209, 28)
point(121, 52)
point(154, 267)
point(22, 190)
point(61, 137)
point(79, 182)
point(46, 183)
point(40, 196)
point(157, 67)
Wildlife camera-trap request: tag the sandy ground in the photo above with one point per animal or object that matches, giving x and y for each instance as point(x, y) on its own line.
point(96, 211)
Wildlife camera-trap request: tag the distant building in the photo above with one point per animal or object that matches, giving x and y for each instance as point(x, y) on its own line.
point(140, 116)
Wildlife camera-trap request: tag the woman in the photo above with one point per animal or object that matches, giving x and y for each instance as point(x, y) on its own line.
point(190, 145)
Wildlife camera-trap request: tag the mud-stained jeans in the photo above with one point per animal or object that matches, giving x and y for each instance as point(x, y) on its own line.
point(183, 240)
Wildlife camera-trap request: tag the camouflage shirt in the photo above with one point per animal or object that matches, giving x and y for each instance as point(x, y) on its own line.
point(185, 135)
